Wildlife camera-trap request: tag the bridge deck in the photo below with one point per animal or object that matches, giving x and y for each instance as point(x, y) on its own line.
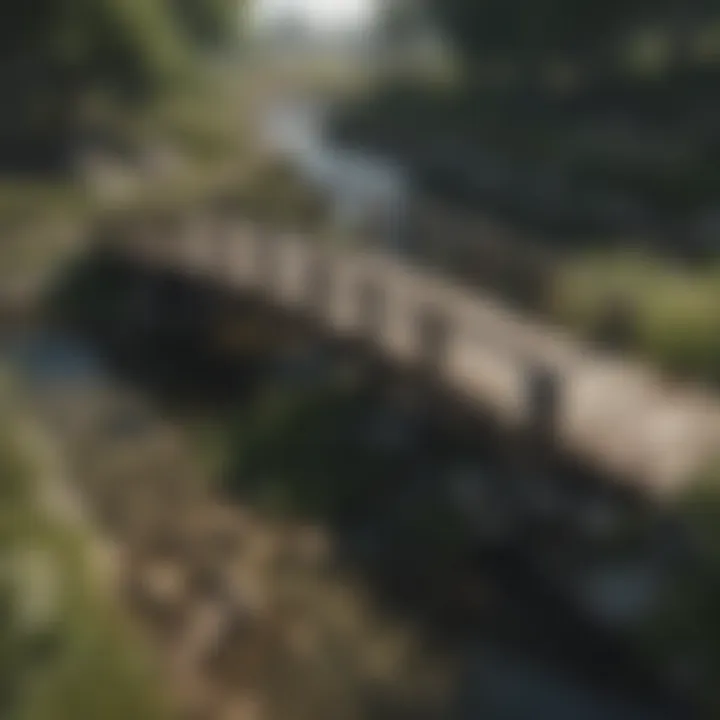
point(617, 414)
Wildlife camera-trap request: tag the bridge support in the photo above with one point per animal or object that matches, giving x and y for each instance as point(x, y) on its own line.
point(543, 403)
point(265, 260)
point(433, 333)
point(530, 452)
point(373, 308)
point(142, 306)
point(319, 286)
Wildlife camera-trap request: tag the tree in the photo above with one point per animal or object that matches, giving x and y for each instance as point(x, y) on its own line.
point(526, 34)
point(210, 23)
point(55, 52)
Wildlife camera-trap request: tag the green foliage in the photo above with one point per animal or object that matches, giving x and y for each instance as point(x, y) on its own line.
point(78, 659)
point(524, 35)
point(310, 453)
point(275, 194)
point(97, 672)
point(685, 630)
point(675, 313)
point(57, 53)
point(21, 202)
point(129, 46)
point(304, 452)
point(15, 472)
point(210, 23)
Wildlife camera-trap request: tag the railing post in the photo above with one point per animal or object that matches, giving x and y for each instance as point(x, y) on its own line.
point(372, 306)
point(222, 238)
point(543, 402)
point(265, 260)
point(187, 243)
point(433, 334)
point(319, 284)
point(618, 326)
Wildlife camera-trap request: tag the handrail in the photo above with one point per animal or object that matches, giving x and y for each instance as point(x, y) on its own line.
point(608, 410)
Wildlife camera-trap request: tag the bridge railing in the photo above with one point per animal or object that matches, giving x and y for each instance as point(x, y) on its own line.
point(526, 374)
point(408, 314)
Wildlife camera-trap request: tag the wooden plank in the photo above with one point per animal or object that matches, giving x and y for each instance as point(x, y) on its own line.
point(620, 415)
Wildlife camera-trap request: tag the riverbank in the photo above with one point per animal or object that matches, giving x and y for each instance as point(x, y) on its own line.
point(311, 452)
point(540, 217)
point(66, 648)
point(192, 494)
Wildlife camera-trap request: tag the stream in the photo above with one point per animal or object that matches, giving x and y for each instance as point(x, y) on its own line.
point(489, 639)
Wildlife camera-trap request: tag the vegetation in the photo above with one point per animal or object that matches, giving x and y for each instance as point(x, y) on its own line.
point(138, 82)
point(685, 629)
point(58, 56)
point(570, 173)
point(275, 194)
point(569, 120)
point(269, 193)
point(312, 452)
point(65, 650)
point(526, 37)
point(292, 447)
point(581, 130)
point(673, 313)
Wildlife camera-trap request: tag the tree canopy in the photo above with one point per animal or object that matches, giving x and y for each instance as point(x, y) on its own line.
point(209, 23)
point(528, 33)
point(54, 51)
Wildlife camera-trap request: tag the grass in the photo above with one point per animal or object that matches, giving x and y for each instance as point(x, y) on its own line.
point(207, 127)
point(266, 191)
point(78, 659)
point(39, 221)
point(675, 312)
point(21, 200)
point(275, 194)
point(203, 125)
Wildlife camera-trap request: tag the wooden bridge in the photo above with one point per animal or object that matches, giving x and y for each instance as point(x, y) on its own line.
point(617, 415)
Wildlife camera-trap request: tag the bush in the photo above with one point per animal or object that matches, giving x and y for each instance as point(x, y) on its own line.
point(684, 633)
point(277, 195)
point(301, 452)
point(674, 313)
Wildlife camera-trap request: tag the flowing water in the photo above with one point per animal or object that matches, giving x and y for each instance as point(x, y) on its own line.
point(456, 590)
point(483, 638)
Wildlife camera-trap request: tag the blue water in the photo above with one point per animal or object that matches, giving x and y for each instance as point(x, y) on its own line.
point(50, 359)
point(366, 193)
point(495, 685)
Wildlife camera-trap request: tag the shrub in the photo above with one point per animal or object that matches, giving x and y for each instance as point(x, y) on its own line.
point(675, 313)
point(684, 632)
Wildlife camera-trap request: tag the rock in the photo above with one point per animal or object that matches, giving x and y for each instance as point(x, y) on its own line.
point(206, 581)
point(245, 708)
point(312, 548)
point(155, 588)
point(166, 583)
